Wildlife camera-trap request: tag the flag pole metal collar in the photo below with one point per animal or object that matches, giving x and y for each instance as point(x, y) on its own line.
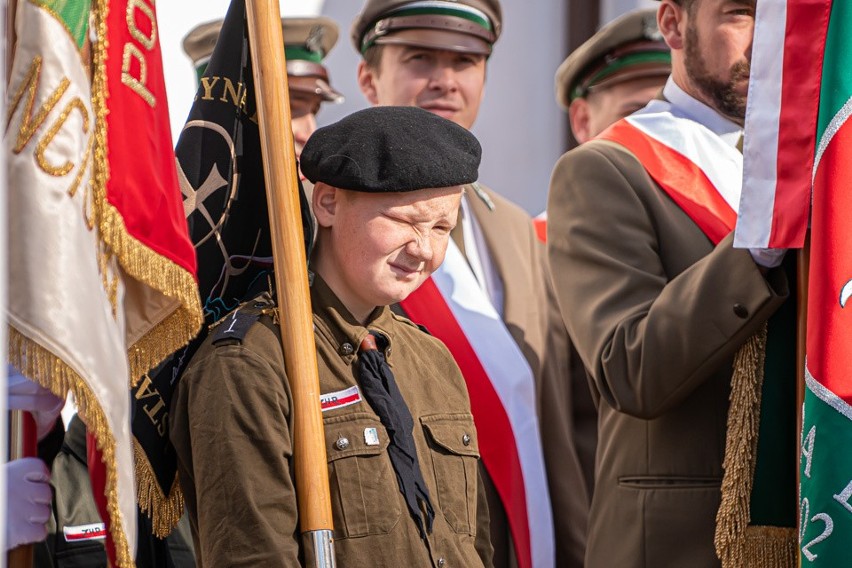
point(322, 543)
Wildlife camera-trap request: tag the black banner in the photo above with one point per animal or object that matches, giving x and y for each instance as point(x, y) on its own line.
point(221, 177)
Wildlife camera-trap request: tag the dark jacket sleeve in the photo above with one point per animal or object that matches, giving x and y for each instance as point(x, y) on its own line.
point(231, 430)
point(648, 335)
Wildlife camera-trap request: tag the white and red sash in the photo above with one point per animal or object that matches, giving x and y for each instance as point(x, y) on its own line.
point(694, 166)
point(455, 309)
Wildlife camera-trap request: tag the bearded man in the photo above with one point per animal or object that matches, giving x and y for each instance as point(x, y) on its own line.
point(658, 303)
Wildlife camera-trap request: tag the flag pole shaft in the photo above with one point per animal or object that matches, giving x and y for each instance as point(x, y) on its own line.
point(21, 445)
point(803, 262)
point(291, 278)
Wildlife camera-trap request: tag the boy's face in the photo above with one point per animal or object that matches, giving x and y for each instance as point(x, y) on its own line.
point(446, 83)
point(374, 249)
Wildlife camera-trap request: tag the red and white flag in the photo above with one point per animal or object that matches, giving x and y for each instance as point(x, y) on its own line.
point(455, 309)
point(781, 123)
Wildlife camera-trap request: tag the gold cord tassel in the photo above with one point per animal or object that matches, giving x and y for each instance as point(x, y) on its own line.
point(739, 545)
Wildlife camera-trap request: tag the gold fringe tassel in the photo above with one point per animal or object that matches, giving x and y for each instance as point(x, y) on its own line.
point(739, 545)
point(51, 372)
point(138, 261)
point(160, 273)
point(770, 547)
point(164, 511)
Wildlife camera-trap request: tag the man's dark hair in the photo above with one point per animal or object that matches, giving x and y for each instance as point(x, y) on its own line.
point(373, 56)
point(688, 5)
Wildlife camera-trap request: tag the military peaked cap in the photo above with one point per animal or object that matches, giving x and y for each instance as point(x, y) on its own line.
point(629, 47)
point(307, 42)
point(391, 149)
point(470, 26)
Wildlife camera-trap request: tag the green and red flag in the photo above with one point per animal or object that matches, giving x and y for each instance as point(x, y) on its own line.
point(798, 156)
point(826, 468)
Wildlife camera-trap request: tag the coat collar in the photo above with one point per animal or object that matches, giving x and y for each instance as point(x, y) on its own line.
point(332, 318)
point(690, 107)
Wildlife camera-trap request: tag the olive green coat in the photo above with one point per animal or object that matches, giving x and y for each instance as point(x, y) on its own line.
point(656, 313)
point(231, 425)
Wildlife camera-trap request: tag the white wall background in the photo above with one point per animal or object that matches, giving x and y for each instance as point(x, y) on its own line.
point(611, 9)
point(521, 127)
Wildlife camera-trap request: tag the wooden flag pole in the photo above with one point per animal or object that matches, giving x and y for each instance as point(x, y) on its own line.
point(22, 444)
point(291, 277)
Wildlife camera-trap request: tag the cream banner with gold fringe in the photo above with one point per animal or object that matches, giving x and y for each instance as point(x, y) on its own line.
point(67, 326)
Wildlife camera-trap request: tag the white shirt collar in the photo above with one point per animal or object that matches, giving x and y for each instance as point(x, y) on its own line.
point(689, 107)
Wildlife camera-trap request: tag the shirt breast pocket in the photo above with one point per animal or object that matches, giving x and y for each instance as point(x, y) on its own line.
point(363, 484)
point(455, 455)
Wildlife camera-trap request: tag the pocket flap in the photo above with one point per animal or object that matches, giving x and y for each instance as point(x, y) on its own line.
point(357, 434)
point(454, 433)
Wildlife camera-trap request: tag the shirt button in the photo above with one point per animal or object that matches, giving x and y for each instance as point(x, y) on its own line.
point(342, 443)
point(740, 311)
point(347, 349)
point(466, 440)
point(441, 562)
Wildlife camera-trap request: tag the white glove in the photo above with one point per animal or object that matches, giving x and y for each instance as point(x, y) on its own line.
point(768, 257)
point(28, 501)
point(27, 395)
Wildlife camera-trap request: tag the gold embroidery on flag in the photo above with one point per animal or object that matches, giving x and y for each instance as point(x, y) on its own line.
point(41, 148)
point(137, 260)
point(144, 265)
point(29, 124)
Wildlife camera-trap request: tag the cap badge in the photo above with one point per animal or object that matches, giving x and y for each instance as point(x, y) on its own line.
point(314, 41)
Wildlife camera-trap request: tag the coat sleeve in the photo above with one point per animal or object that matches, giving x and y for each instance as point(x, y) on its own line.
point(231, 431)
point(648, 338)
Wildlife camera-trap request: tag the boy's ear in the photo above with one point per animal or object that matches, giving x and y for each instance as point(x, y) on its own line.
point(324, 202)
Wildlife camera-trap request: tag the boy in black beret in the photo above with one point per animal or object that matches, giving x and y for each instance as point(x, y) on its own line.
point(402, 447)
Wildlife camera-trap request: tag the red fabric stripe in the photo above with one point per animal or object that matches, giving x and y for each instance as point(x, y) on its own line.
point(29, 435)
point(797, 122)
point(497, 444)
point(97, 476)
point(86, 536)
point(540, 226)
point(829, 325)
point(680, 178)
point(341, 401)
point(142, 183)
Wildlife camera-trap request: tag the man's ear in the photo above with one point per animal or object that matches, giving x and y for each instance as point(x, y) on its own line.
point(671, 19)
point(580, 118)
point(367, 82)
point(324, 202)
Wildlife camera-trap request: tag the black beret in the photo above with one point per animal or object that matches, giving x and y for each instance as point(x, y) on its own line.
point(388, 148)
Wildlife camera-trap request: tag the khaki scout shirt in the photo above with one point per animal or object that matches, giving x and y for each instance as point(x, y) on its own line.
point(231, 425)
